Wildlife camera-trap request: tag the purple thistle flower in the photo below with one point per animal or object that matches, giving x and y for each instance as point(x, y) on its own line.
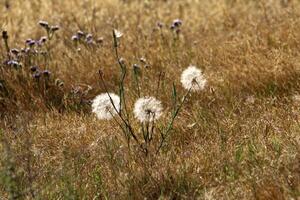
point(30, 42)
point(143, 60)
point(36, 75)
point(80, 34)
point(33, 68)
point(89, 36)
point(15, 51)
point(14, 64)
point(46, 73)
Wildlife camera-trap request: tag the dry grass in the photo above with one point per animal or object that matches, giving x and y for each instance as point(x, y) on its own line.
point(238, 139)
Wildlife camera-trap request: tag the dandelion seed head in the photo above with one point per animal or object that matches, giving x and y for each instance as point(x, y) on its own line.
point(193, 79)
point(147, 109)
point(106, 105)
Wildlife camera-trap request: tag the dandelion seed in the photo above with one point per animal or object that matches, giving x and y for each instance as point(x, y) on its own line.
point(106, 105)
point(147, 109)
point(193, 79)
point(117, 33)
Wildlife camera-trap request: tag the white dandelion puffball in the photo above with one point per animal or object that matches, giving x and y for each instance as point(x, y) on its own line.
point(147, 109)
point(106, 105)
point(193, 79)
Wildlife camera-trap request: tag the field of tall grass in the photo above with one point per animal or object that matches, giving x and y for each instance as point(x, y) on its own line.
point(237, 136)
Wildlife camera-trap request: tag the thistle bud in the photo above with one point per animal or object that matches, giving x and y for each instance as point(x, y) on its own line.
point(55, 28)
point(100, 40)
point(122, 61)
point(44, 24)
point(43, 40)
point(4, 35)
point(59, 82)
point(160, 25)
point(75, 38)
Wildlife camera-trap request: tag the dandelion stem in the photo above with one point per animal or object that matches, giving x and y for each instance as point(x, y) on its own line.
point(170, 125)
point(127, 124)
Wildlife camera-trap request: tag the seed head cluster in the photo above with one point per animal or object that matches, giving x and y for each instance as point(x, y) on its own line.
point(147, 109)
point(106, 105)
point(193, 79)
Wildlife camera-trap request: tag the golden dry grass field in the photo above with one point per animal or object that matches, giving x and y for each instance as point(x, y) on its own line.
point(239, 138)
